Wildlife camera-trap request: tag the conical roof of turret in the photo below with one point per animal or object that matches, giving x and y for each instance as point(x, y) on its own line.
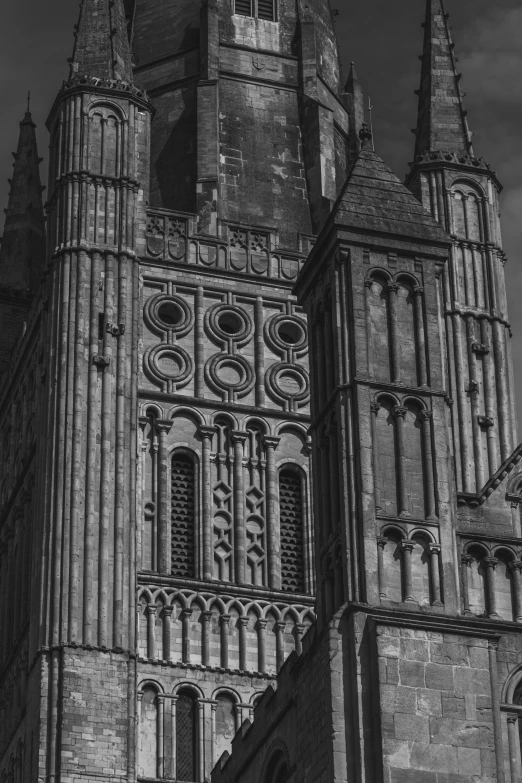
point(441, 123)
point(102, 45)
point(375, 200)
point(22, 253)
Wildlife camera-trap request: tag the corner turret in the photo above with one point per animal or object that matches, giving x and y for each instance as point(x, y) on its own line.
point(462, 193)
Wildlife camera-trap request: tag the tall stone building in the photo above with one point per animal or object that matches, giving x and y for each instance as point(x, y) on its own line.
point(178, 527)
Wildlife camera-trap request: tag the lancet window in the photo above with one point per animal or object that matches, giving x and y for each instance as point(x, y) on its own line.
point(469, 224)
point(396, 330)
point(403, 459)
point(186, 736)
point(291, 501)
point(183, 486)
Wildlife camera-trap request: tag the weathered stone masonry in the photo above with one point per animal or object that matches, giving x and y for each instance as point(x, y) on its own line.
point(259, 487)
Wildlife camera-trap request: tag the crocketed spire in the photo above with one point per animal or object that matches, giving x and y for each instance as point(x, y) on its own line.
point(441, 124)
point(22, 253)
point(102, 45)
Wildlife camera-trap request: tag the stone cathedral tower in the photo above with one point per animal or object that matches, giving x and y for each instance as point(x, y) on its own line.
point(256, 420)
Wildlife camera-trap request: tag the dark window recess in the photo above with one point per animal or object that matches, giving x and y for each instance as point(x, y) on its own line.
point(266, 10)
point(182, 516)
point(291, 521)
point(185, 737)
point(244, 7)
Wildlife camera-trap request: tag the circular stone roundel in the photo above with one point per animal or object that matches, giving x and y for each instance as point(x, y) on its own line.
point(229, 323)
point(287, 383)
point(169, 363)
point(169, 313)
point(226, 373)
point(286, 332)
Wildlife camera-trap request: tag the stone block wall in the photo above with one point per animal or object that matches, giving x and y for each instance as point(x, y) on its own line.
point(436, 706)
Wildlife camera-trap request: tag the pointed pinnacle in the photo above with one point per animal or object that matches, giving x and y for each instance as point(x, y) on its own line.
point(441, 124)
point(101, 46)
point(22, 254)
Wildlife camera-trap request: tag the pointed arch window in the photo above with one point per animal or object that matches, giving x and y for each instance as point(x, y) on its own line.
point(291, 504)
point(186, 736)
point(183, 484)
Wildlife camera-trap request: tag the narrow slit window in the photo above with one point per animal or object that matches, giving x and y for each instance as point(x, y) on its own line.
point(291, 521)
point(186, 737)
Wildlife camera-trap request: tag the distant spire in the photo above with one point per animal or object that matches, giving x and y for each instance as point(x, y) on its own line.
point(22, 252)
point(354, 97)
point(102, 45)
point(442, 124)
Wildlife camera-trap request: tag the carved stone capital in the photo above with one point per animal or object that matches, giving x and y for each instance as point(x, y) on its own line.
point(206, 432)
point(490, 562)
point(270, 442)
point(407, 545)
point(239, 437)
point(100, 361)
point(400, 412)
point(164, 425)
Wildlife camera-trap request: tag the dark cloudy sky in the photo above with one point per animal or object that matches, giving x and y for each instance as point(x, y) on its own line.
point(383, 38)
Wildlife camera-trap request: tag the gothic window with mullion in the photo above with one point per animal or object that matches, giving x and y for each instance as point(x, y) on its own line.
point(260, 9)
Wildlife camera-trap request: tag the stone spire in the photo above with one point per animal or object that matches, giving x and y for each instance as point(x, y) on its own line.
point(441, 124)
point(22, 253)
point(354, 97)
point(102, 45)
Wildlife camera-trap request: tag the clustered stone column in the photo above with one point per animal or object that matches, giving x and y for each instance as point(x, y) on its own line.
point(206, 434)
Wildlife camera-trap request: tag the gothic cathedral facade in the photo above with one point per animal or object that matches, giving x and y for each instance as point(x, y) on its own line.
point(260, 487)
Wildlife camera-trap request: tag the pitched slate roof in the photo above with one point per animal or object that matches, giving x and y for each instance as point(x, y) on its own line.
point(374, 199)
